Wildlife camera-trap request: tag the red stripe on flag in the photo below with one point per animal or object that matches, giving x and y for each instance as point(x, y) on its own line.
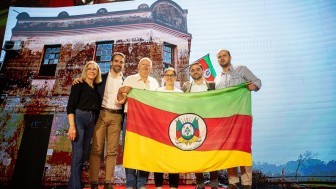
point(228, 133)
point(205, 67)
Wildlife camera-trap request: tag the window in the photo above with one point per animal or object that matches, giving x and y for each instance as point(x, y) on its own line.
point(50, 60)
point(51, 55)
point(168, 55)
point(104, 55)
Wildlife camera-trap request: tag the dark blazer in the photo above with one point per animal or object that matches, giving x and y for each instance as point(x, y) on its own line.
point(187, 86)
point(101, 89)
point(101, 85)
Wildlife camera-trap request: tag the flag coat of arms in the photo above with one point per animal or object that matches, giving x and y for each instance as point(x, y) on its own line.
point(209, 71)
point(188, 132)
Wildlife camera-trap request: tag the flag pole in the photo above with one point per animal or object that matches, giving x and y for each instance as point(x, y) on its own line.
point(193, 62)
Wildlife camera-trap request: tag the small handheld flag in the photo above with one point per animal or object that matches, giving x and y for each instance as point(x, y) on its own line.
point(209, 71)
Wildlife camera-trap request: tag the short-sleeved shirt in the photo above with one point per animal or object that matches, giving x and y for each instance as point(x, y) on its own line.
point(136, 82)
point(162, 89)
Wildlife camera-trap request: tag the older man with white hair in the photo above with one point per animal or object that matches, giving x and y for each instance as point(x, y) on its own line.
point(137, 179)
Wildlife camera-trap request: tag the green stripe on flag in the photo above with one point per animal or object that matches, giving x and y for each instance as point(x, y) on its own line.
point(209, 63)
point(211, 104)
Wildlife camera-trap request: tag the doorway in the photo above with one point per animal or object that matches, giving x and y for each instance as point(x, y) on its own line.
point(29, 167)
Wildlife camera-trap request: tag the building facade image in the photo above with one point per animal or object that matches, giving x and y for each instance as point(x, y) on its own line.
point(43, 57)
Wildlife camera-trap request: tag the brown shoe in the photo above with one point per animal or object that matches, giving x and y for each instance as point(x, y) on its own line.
point(108, 186)
point(200, 187)
point(232, 186)
point(246, 187)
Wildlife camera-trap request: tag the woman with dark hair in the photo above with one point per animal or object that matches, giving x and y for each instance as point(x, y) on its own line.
point(169, 80)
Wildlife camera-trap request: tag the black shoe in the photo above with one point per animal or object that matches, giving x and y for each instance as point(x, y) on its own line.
point(94, 186)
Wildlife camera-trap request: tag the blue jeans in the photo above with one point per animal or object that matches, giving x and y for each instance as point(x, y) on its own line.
point(85, 121)
point(134, 178)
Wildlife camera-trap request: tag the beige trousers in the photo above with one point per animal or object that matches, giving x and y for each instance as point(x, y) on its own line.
point(246, 175)
point(108, 127)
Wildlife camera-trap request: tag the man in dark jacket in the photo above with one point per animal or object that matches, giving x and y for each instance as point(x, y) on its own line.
point(199, 84)
point(109, 123)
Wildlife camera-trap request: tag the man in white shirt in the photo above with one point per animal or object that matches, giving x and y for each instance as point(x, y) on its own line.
point(108, 125)
point(199, 84)
point(137, 179)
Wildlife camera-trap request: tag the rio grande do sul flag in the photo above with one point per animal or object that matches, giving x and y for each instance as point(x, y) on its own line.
point(209, 71)
point(188, 132)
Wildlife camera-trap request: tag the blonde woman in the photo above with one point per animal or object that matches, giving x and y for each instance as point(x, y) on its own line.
point(84, 101)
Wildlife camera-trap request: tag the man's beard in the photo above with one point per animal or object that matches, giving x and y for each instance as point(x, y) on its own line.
point(198, 77)
point(226, 64)
point(116, 69)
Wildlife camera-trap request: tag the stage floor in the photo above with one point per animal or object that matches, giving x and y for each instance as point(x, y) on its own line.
point(153, 187)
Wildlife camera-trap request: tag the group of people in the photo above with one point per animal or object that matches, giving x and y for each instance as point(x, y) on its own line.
point(97, 110)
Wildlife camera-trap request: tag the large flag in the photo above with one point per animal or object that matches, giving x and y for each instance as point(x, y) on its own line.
point(209, 71)
point(188, 132)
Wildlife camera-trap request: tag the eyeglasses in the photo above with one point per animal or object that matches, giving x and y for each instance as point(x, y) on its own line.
point(173, 75)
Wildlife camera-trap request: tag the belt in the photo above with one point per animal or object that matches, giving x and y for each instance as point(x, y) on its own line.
point(117, 111)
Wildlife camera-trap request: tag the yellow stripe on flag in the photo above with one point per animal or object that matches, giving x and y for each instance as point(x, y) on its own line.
point(139, 154)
